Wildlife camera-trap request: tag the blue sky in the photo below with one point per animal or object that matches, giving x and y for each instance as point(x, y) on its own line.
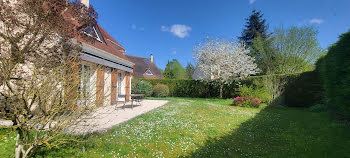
point(171, 28)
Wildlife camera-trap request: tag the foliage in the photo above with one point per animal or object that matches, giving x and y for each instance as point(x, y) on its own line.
point(246, 102)
point(222, 60)
point(38, 64)
point(297, 49)
point(255, 27)
point(160, 90)
point(292, 90)
point(190, 70)
point(174, 70)
point(142, 87)
point(304, 90)
point(255, 91)
point(334, 68)
point(318, 108)
point(265, 55)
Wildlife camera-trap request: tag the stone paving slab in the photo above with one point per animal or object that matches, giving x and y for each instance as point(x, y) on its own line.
point(109, 116)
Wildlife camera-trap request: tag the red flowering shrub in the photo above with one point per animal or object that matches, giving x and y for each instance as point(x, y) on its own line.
point(246, 102)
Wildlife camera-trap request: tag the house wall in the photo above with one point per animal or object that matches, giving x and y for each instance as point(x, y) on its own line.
point(107, 86)
point(100, 86)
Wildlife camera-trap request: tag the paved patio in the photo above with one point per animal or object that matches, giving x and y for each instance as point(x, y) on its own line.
point(107, 117)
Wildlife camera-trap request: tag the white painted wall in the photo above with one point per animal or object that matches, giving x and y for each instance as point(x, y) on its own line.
point(107, 87)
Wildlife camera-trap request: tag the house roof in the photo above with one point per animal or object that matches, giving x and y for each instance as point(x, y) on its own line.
point(107, 43)
point(142, 65)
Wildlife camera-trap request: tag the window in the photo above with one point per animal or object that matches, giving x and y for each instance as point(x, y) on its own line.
point(92, 32)
point(120, 80)
point(84, 81)
point(148, 72)
point(146, 61)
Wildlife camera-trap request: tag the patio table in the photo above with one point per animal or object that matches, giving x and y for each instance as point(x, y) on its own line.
point(136, 98)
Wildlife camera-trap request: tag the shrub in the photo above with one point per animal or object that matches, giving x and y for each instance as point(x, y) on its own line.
point(246, 102)
point(304, 91)
point(161, 90)
point(334, 68)
point(260, 93)
point(287, 89)
point(318, 108)
point(142, 87)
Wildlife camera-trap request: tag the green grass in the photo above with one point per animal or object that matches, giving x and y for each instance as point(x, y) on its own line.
point(212, 128)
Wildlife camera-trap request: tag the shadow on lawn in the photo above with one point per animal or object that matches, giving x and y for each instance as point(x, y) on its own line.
point(281, 132)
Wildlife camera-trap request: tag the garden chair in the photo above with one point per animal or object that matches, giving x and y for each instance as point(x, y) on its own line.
point(120, 98)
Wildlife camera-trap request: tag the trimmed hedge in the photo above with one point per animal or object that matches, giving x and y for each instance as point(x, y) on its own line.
point(334, 68)
point(160, 90)
point(292, 90)
point(143, 87)
point(304, 90)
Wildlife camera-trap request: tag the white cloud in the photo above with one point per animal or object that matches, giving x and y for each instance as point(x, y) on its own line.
point(178, 30)
point(164, 28)
point(316, 21)
point(251, 1)
point(133, 26)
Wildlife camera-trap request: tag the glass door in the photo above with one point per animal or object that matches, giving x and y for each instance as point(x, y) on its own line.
point(120, 80)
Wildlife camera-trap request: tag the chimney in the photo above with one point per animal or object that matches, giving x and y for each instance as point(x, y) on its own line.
point(85, 2)
point(152, 58)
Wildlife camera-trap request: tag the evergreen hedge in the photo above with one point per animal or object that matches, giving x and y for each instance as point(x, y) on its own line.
point(295, 89)
point(334, 70)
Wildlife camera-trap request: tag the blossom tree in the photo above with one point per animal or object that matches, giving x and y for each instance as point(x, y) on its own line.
point(223, 60)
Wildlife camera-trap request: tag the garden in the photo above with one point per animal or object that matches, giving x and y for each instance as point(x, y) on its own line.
point(267, 94)
point(188, 127)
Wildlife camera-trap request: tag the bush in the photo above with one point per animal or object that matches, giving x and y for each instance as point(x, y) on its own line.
point(255, 91)
point(288, 89)
point(304, 90)
point(160, 90)
point(246, 102)
point(334, 70)
point(318, 108)
point(142, 87)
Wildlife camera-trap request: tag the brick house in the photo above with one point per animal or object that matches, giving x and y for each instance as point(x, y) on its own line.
point(104, 66)
point(145, 67)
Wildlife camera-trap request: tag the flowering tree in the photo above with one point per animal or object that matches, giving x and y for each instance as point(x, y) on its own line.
point(223, 60)
point(38, 69)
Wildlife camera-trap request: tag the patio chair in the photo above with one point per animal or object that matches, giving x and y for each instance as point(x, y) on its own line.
point(121, 98)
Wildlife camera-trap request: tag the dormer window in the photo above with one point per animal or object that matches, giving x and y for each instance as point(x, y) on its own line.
point(92, 32)
point(148, 72)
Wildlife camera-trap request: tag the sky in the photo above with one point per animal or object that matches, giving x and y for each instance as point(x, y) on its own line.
point(169, 29)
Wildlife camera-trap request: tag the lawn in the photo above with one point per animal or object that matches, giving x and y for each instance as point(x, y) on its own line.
point(212, 128)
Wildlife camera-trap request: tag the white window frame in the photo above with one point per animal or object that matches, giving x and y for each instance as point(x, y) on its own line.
point(149, 72)
point(85, 84)
point(97, 35)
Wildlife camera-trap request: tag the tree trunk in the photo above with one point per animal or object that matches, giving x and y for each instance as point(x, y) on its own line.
point(20, 152)
point(221, 87)
point(18, 148)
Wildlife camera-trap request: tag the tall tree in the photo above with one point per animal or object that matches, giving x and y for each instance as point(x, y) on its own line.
point(38, 65)
point(297, 49)
point(223, 60)
point(174, 70)
point(189, 70)
point(265, 55)
point(255, 26)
